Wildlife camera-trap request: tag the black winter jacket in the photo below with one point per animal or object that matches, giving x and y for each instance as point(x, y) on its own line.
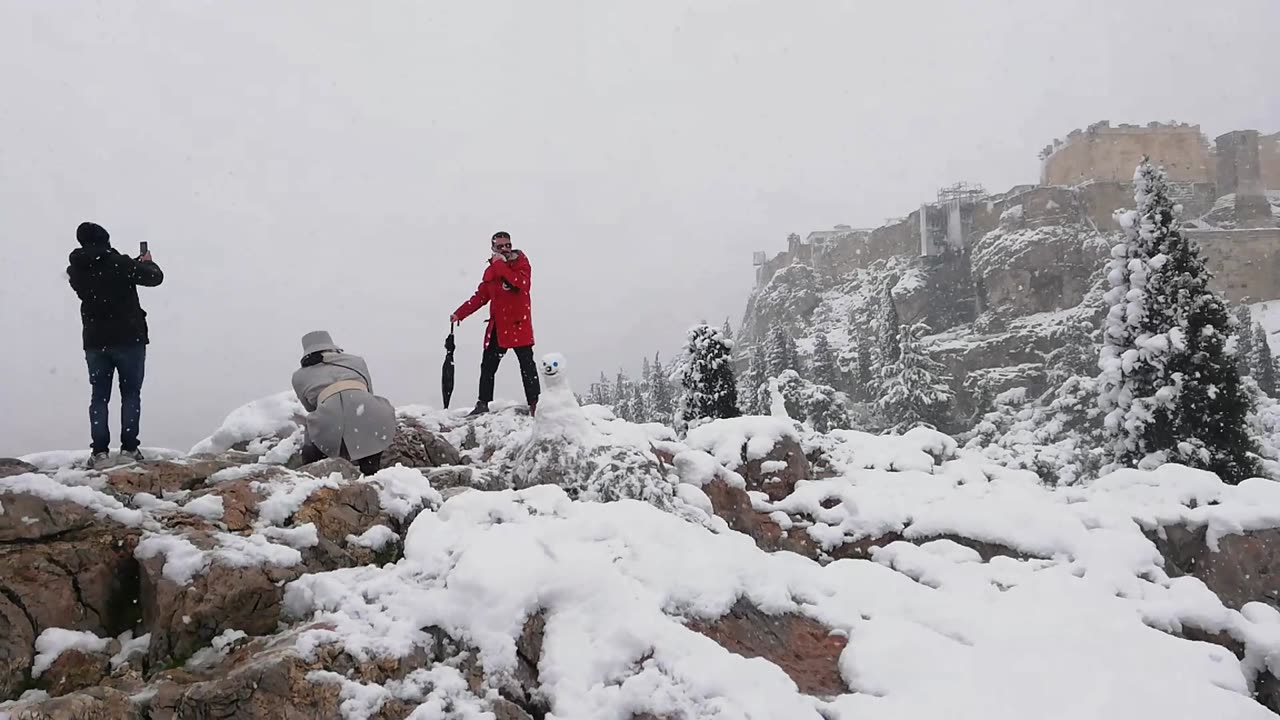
point(107, 283)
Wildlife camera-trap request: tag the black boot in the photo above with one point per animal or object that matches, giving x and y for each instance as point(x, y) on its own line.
point(480, 409)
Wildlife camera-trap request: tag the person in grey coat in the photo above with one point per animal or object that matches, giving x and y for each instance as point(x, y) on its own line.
point(345, 419)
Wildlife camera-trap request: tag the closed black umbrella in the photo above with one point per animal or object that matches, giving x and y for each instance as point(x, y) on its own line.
point(446, 372)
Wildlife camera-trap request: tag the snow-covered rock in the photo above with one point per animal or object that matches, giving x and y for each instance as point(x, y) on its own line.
point(918, 577)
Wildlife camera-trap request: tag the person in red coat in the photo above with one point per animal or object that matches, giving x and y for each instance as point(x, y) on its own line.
point(505, 289)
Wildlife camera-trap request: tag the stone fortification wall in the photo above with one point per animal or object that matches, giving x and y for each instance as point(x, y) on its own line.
point(1109, 154)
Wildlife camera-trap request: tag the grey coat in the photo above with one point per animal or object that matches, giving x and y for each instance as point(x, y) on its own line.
point(362, 421)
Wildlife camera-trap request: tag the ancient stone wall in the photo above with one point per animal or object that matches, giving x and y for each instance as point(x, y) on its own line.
point(1245, 263)
point(1109, 154)
point(1269, 161)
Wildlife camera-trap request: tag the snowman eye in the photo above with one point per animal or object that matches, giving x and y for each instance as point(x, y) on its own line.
point(555, 364)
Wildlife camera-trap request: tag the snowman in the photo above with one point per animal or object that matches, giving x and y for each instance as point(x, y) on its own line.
point(566, 449)
point(559, 415)
point(562, 440)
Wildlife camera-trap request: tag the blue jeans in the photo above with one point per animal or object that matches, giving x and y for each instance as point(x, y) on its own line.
point(131, 361)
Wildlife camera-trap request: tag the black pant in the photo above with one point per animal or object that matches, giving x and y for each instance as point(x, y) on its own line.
point(368, 466)
point(489, 370)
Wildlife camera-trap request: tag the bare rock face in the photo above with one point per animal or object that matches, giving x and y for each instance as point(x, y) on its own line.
point(60, 567)
point(328, 466)
point(161, 476)
point(98, 703)
point(75, 670)
point(185, 618)
point(271, 686)
point(337, 513)
point(239, 503)
point(804, 648)
point(13, 466)
point(82, 581)
point(417, 447)
point(779, 483)
point(17, 643)
point(29, 518)
point(1244, 569)
point(734, 506)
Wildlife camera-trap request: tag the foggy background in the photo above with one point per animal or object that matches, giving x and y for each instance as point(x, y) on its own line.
point(341, 166)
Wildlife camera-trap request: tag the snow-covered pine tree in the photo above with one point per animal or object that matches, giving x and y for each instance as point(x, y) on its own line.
point(865, 385)
point(708, 389)
point(622, 406)
point(1169, 387)
point(913, 388)
point(780, 352)
point(887, 329)
point(1262, 361)
point(661, 395)
point(639, 405)
point(601, 391)
point(824, 368)
point(754, 379)
point(727, 329)
point(1244, 332)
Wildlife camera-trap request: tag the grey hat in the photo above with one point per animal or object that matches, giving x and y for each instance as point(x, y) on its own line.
point(317, 341)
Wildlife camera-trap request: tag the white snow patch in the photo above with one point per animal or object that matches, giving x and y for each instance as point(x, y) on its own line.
point(403, 490)
point(284, 496)
point(934, 631)
point(270, 416)
point(299, 538)
point(219, 648)
point(736, 441)
point(55, 641)
point(183, 560)
point(209, 507)
point(375, 538)
point(130, 646)
point(47, 488)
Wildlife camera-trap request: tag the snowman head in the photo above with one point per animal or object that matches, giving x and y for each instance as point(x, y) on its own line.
point(553, 364)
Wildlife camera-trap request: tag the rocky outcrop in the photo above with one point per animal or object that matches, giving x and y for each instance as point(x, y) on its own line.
point(60, 567)
point(183, 618)
point(777, 473)
point(75, 670)
point(98, 703)
point(27, 518)
point(1245, 567)
point(417, 447)
point(163, 476)
point(13, 466)
point(805, 650)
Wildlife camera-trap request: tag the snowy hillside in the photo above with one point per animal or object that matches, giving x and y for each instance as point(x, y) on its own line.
point(772, 573)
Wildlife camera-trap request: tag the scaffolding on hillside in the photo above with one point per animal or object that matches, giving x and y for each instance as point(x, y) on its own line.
point(964, 193)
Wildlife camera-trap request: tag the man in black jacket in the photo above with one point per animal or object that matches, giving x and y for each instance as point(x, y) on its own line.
point(115, 333)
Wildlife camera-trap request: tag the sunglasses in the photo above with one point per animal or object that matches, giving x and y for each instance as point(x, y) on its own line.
point(502, 246)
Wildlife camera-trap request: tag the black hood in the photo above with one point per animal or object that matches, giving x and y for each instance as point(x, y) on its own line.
point(85, 256)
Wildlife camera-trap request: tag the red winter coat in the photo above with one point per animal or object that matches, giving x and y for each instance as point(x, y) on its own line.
point(505, 287)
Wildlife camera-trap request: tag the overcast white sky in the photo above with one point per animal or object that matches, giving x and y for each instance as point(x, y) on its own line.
point(341, 165)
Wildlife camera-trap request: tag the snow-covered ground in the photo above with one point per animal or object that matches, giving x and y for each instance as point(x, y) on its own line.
point(1081, 619)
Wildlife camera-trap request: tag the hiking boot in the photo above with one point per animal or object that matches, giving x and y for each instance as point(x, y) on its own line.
point(480, 409)
point(99, 460)
point(533, 409)
point(131, 455)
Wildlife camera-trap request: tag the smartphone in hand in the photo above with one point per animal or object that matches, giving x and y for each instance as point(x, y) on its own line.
point(142, 249)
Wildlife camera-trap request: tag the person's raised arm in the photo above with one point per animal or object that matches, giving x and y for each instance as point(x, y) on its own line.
point(517, 274)
point(145, 272)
